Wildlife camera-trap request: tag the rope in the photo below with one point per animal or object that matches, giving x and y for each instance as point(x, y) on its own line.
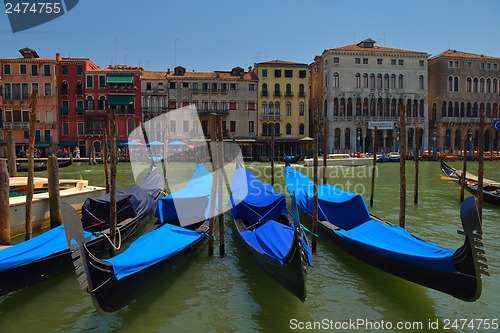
point(206, 233)
point(109, 240)
point(308, 231)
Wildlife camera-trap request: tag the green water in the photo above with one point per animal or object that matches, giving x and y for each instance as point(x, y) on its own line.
point(233, 294)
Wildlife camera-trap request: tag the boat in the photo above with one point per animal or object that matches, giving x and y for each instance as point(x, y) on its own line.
point(47, 255)
point(71, 191)
point(268, 231)
point(114, 283)
point(341, 160)
point(293, 159)
point(43, 166)
point(345, 220)
point(491, 189)
point(394, 157)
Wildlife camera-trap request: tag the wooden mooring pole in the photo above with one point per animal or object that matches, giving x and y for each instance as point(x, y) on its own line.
point(325, 149)
point(105, 156)
point(213, 150)
point(402, 167)
point(374, 167)
point(220, 190)
point(315, 181)
point(4, 204)
point(11, 153)
point(54, 196)
point(112, 193)
point(464, 168)
point(416, 157)
point(272, 154)
point(480, 165)
point(31, 165)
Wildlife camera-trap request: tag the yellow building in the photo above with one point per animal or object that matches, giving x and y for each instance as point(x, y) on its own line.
point(283, 103)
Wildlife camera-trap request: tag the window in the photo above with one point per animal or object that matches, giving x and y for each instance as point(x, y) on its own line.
point(357, 60)
point(90, 81)
point(64, 69)
point(301, 90)
point(401, 62)
point(172, 104)
point(172, 85)
point(223, 87)
point(288, 73)
point(302, 74)
point(365, 80)
point(48, 89)
point(288, 129)
point(251, 126)
point(277, 73)
point(336, 80)
point(79, 108)
point(24, 91)
point(34, 70)
point(233, 86)
point(301, 108)
point(214, 87)
point(148, 85)
point(365, 61)
point(301, 129)
point(34, 86)
point(89, 103)
point(65, 108)
point(46, 70)
point(421, 82)
point(400, 81)
point(102, 81)
point(26, 134)
point(172, 125)
point(393, 61)
point(469, 65)
point(214, 105)
point(468, 86)
point(65, 128)
point(8, 91)
point(185, 126)
point(251, 105)
point(6, 69)
point(79, 88)
point(288, 109)
point(22, 69)
point(264, 73)
point(421, 63)
point(195, 86)
point(232, 126)
point(102, 103)
point(481, 65)
point(79, 69)
point(233, 105)
point(379, 61)
point(358, 80)
point(46, 135)
point(336, 60)
point(184, 85)
point(251, 86)
point(64, 88)
point(223, 105)
point(79, 128)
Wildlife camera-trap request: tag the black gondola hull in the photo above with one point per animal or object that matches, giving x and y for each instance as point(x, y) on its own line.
point(292, 274)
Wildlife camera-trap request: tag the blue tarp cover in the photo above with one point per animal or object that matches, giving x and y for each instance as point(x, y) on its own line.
point(152, 248)
point(129, 202)
point(273, 239)
point(254, 200)
point(39, 247)
point(191, 203)
point(348, 211)
point(395, 242)
point(343, 209)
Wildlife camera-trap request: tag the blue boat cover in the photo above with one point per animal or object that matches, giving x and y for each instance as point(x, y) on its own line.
point(348, 211)
point(190, 204)
point(132, 202)
point(254, 200)
point(39, 247)
point(343, 209)
point(397, 243)
point(152, 248)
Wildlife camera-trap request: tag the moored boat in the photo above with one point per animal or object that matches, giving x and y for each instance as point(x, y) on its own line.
point(345, 220)
point(268, 231)
point(340, 160)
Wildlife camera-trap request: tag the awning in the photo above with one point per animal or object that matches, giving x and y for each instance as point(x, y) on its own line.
point(67, 143)
point(42, 144)
point(114, 79)
point(118, 142)
point(120, 99)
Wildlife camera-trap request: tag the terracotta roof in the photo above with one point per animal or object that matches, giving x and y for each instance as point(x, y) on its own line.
point(150, 75)
point(280, 62)
point(374, 49)
point(209, 75)
point(458, 54)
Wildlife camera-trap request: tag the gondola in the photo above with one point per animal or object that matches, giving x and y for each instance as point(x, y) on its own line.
point(293, 158)
point(268, 231)
point(47, 255)
point(43, 166)
point(345, 220)
point(491, 189)
point(114, 283)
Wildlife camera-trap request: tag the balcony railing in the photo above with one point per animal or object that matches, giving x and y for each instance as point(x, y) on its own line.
point(121, 87)
point(270, 117)
point(205, 112)
point(302, 94)
point(277, 94)
point(16, 124)
point(465, 120)
point(264, 93)
point(288, 94)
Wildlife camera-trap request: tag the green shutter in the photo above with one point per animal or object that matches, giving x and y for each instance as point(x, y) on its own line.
point(120, 100)
point(116, 79)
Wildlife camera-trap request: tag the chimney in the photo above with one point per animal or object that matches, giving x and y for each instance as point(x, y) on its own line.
point(58, 56)
point(249, 69)
point(168, 70)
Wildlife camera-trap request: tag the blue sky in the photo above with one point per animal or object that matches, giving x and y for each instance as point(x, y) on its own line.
point(221, 34)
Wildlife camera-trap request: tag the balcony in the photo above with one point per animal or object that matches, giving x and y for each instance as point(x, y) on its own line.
point(277, 94)
point(288, 94)
point(264, 93)
point(270, 117)
point(465, 120)
point(302, 94)
point(11, 125)
point(121, 87)
point(219, 112)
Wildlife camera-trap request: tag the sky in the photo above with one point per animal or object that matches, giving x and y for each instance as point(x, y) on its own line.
point(222, 34)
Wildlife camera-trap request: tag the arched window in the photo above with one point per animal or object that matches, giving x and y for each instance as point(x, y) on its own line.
point(271, 108)
point(277, 92)
point(288, 109)
point(488, 86)
point(393, 81)
point(79, 88)
point(288, 91)
point(89, 103)
point(421, 82)
point(456, 110)
point(301, 109)
point(264, 129)
point(301, 90)
point(264, 89)
point(264, 108)
point(469, 110)
point(386, 81)
point(455, 83)
point(450, 109)
point(475, 85)
point(349, 107)
point(400, 82)
point(336, 80)
point(288, 129)
point(277, 107)
point(335, 107)
point(443, 109)
point(358, 106)
point(462, 109)
point(372, 81)
point(301, 129)
point(365, 80)
point(379, 81)
point(358, 80)
point(468, 87)
point(277, 128)
point(64, 88)
point(102, 103)
point(495, 86)
point(481, 85)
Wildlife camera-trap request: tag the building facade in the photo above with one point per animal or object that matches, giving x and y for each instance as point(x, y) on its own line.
point(364, 83)
point(461, 87)
point(284, 105)
point(20, 77)
point(231, 94)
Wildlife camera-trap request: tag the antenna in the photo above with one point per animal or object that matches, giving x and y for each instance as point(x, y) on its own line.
point(175, 52)
point(258, 56)
point(116, 48)
point(125, 55)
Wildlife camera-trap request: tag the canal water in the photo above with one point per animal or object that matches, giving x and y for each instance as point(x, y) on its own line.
point(233, 294)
